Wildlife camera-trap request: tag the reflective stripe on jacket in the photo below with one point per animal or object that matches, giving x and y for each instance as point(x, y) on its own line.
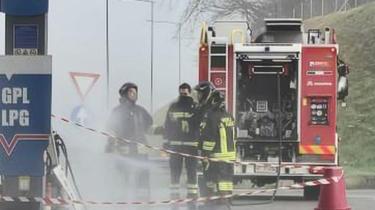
point(179, 130)
point(217, 135)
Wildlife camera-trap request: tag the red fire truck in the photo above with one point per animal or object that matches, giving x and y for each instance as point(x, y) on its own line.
point(282, 89)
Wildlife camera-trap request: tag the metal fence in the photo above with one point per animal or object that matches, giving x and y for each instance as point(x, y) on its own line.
point(310, 8)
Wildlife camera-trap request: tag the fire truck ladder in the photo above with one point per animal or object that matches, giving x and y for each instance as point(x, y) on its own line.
point(218, 64)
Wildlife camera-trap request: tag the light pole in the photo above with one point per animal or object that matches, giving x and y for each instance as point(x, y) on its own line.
point(107, 47)
point(179, 53)
point(151, 54)
point(179, 25)
point(151, 2)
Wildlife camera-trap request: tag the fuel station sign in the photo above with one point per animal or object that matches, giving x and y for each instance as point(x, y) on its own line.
point(25, 38)
point(25, 109)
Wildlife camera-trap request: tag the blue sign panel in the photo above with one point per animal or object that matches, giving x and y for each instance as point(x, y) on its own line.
point(26, 36)
point(80, 115)
point(25, 113)
point(24, 7)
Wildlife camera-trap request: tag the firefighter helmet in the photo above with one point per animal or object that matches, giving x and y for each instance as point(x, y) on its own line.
point(217, 98)
point(185, 86)
point(204, 91)
point(125, 87)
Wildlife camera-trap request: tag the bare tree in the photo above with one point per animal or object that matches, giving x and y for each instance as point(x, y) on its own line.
point(210, 10)
point(254, 11)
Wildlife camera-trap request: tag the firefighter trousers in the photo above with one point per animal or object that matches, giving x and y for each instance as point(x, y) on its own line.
point(218, 180)
point(136, 176)
point(176, 163)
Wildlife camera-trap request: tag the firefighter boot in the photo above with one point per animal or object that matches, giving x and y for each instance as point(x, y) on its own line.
point(174, 194)
point(192, 186)
point(192, 192)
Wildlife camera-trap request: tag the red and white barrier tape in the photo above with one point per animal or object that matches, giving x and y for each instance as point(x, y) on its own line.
point(59, 201)
point(159, 149)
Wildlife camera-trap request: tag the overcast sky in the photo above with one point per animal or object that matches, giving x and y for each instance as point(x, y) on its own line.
point(77, 42)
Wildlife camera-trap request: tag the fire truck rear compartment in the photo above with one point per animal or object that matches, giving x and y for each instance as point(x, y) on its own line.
point(259, 83)
point(258, 108)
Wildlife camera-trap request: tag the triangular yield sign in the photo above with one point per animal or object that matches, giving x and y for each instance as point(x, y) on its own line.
point(84, 82)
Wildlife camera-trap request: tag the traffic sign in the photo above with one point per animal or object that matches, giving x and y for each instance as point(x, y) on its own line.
point(84, 82)
point(80, 115)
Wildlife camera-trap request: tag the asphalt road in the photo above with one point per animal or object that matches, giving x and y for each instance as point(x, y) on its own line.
point(99, 179)
point(111, 190)
point(357, 200)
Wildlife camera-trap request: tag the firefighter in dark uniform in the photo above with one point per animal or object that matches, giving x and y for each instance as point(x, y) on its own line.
point(216, 141)
point(130, 121)
point(182, 137)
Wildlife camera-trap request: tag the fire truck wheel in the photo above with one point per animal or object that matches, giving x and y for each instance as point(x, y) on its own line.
point(311, 193)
